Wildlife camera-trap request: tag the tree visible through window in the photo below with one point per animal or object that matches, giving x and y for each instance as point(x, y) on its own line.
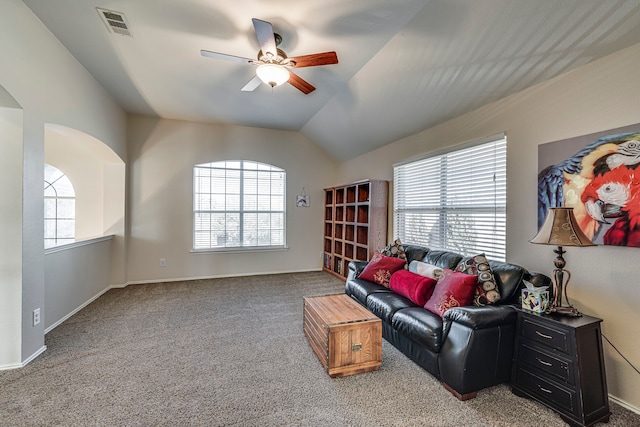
point(59, 208)
point(455, 201)
point(238, 204)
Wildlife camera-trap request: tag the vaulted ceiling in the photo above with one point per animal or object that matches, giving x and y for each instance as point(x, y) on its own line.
point(404, 65)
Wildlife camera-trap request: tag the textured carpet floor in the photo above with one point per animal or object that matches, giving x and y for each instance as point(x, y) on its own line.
point(230, 352)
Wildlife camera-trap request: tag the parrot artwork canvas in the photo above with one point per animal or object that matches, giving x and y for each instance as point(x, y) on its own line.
point(598, 175)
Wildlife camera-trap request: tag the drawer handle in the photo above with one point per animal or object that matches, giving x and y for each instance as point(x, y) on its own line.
point(543, 335)
point(542, 362)
point(544, 389)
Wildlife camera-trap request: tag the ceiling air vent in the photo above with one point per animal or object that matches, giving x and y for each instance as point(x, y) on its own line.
point(116, 22)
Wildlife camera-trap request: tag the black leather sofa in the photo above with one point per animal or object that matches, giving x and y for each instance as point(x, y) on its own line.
point(468, 349)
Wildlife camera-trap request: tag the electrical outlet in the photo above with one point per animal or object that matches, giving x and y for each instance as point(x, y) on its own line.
point(36, 317)
point(163, 262)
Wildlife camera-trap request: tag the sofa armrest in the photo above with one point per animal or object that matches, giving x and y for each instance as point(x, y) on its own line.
point(477, 347)
point(355, 268)
point(481, 317)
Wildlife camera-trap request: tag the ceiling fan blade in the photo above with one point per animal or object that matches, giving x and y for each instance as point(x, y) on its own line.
point(300, 84)
point(226, 57)
point(325, 58)
point(252, 84)
point(264, 33)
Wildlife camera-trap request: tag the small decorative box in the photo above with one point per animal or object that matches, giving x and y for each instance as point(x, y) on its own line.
point(535, 300)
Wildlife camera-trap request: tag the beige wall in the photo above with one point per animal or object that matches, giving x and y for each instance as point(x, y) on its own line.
point(596, 97)
point(162, 154)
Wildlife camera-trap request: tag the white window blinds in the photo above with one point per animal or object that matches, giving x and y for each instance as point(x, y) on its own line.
point(455, 201)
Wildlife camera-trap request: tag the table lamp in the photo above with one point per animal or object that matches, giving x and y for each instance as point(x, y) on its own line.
point(561, 228)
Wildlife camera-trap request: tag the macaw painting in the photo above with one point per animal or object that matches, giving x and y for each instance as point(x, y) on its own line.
point(597, 176)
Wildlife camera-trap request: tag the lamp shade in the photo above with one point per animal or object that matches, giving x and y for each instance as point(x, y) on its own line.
point(273, 74)
point(561, 228)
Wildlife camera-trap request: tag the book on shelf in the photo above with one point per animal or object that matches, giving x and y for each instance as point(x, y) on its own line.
point(327, 261)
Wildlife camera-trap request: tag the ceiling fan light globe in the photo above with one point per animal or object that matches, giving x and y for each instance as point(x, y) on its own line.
point(272, 74)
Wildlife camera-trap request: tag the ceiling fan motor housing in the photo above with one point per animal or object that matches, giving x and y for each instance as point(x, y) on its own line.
point(281, 56)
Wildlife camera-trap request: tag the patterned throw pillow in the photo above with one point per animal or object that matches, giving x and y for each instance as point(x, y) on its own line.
point(487, 289)
point(395, 249)
point(454, 289)
point(380, 268)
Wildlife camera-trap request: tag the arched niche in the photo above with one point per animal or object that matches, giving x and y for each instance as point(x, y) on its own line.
point(97, 174)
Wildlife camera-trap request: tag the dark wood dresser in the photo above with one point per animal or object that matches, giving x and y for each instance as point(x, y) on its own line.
point(558, 361)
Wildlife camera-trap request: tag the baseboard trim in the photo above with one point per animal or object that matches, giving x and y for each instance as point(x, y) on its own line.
point(219, 276)
point(24, 362)
point(9, 367)
point(34, 355)
point(625, 404)
point(92, 299)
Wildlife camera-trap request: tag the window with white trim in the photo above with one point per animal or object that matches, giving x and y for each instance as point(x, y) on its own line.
point(59, 208)
point(455, 200)
point(238, 204)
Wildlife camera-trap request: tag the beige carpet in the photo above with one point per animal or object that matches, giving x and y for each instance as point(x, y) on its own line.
point(230, 352)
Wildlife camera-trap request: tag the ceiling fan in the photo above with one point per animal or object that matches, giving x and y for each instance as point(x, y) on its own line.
point(274, 67)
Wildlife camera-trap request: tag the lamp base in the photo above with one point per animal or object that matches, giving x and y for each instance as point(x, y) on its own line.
point(569, 311)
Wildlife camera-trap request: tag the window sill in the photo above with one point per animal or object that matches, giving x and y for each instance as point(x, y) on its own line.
point(240, 250)
point(77, 244)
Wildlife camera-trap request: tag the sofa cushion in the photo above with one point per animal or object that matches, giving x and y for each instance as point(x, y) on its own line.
point(414, 252)
point(487, 289)
point(443, 259)
point(509, 279)
point(385, 304)
point(360, 289)
point(380, 268)
point(413, 286)
point(422, 326)
point(454, 289)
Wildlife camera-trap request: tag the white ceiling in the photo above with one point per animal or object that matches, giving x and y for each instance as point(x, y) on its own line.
point(405, 65)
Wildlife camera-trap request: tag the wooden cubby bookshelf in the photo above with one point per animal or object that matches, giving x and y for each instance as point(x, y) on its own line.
point(355, 224)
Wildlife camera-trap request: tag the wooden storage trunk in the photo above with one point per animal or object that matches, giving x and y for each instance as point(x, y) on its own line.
point(345, 336)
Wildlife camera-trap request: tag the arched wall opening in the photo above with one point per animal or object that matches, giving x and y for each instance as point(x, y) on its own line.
point(97, 175)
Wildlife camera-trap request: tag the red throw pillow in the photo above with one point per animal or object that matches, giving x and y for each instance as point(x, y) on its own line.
point(380, 268)
point(453, 290)
point(413, 286)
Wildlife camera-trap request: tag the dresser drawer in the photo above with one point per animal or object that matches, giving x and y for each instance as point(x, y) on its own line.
point(558, 361)
point(566, 400)
point(547, 363)
point(553, 338)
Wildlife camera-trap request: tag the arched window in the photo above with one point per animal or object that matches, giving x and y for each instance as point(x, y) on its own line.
point(238, 204)
point(59, 208)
